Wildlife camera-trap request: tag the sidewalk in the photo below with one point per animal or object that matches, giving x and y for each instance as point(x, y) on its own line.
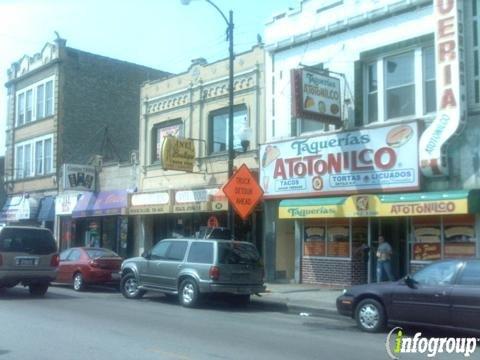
point(300, 298)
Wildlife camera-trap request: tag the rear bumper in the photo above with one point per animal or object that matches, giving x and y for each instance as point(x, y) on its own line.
point(102, 276)
point(27, 276)
point(345, 305)
point(237, 289)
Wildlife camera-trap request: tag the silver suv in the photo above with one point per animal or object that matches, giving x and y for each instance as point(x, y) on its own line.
point(28, 256)
point(190, 268)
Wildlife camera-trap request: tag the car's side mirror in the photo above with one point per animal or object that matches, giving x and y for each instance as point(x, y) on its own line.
point(146, 254)
point(410, 282)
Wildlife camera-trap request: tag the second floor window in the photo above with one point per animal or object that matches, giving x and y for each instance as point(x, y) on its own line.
point(400, 86)
point(218, 128)
point(159, 131)
point(34, 158)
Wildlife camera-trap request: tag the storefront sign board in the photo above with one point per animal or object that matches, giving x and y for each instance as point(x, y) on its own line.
point(178, 154)
point(187, 201)
point(450, 88)
point(78, 177)
point(316, 96)
point(383, 159)
point(150, 203)
point(369, 206)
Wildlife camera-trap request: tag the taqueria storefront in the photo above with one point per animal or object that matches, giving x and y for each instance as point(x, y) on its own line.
point(329, 197)
point(339, 234)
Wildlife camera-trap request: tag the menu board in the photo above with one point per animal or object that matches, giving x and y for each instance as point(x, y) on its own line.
point(314, 248)
point(314, 241)
point(426, 251)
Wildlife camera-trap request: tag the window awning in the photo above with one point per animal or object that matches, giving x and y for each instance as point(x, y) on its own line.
point(408, 204)
point(19, 207)
point(104, 203)
point(46, 211)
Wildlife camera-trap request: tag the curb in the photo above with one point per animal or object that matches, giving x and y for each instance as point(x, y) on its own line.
point(295, 308)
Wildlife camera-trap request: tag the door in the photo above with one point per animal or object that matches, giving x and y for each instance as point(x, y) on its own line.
point(157, 256)
point(168, 270)
point(466, 297)
point(394, 231)
point(429, 300)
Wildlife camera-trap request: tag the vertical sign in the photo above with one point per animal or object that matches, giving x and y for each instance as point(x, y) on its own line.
point(450, 83)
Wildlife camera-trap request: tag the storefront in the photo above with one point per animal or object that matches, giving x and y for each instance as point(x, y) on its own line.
point(20, 210)
point(65, 228)
point(339, 234)
point(182, 213)
point(101, 221)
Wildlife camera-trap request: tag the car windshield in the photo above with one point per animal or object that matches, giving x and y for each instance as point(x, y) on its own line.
point(237, 253)
point(32, 241)
point(98, 253)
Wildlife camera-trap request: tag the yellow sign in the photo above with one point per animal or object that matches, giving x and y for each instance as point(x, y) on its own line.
point(178, 154)
point(372, 206)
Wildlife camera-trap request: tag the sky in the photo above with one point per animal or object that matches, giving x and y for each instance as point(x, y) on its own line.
point(163, 34)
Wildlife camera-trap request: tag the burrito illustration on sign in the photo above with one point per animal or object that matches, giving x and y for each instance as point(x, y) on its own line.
point(309, 102)
point(399, 135)
point(271, 153)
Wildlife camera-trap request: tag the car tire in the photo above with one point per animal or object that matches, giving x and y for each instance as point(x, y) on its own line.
point(370, 316)
point(38, 289)
point(129, 287)
point(78, 282)
point(189, 295)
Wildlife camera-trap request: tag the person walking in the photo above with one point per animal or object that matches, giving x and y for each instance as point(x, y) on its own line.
point(384, 264)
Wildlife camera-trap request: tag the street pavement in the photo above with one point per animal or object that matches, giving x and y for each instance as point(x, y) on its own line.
point(101, 324)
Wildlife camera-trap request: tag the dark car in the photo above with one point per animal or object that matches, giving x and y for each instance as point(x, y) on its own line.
point(83, 266)
point(444, 294)
point(28, 256)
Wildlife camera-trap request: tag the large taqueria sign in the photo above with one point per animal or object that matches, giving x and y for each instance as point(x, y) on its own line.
point(450, 88)
point(383, 158)
point(373, 206)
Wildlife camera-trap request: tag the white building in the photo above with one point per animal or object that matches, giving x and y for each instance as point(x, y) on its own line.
point(402, 67)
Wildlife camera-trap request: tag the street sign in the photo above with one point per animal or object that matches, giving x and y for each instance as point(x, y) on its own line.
point(243, 192)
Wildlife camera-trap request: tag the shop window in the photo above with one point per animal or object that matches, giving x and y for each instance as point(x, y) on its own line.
point(159, 132)
point(338, 234)
point(328, 237)
point(459, 235)
point(360, 238)
point(314, 238)
point(426, 238)
point(218, 128)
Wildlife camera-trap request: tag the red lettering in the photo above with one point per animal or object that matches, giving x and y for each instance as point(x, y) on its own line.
point(444, 6)
point(448, 99)
point(300, 169)
point(334, 163)
point(446, 51)
point(390, 155)
point(279, 169)
point(446, 27)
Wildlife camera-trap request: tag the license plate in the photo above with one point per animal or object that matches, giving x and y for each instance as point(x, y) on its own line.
point(26, 262)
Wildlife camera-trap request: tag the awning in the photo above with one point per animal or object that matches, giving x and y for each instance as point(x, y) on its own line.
point(19, 207)
point(46, 211)
point(150, 203)
point(113, 202)
point(411, 204)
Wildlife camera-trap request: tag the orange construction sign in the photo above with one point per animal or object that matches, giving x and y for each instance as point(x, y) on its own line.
point(243, 192)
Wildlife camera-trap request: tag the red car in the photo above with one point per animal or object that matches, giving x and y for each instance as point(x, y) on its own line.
point(82, 266)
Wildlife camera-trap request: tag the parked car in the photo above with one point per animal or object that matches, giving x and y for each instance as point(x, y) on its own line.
point(28, 256)
point(444, 294)
point(190, 268)
point(83, 266)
